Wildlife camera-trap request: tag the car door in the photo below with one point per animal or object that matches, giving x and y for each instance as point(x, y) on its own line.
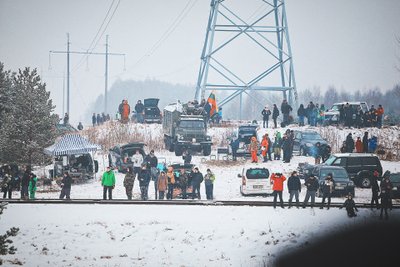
point(354, 165)
point(296, 141)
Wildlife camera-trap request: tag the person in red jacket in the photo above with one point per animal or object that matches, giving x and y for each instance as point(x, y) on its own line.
point(359, 145)
point(277, 180)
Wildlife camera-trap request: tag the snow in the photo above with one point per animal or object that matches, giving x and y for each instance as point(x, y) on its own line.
point(150, 235)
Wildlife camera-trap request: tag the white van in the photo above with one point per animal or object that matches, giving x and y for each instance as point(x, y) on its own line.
point(255, 181)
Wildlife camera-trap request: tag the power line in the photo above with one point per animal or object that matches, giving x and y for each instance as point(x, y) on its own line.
point(184, 12)
point(91, 46)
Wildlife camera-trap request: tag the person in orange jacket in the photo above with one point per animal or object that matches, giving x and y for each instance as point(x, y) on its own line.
point(277, 180)
point(254, 149)
point(359, 145)
point(264, 147)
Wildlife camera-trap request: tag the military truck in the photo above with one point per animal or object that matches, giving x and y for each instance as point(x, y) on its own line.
point(185, 127)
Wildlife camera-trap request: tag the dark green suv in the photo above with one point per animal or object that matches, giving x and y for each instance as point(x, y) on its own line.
point(360, 166)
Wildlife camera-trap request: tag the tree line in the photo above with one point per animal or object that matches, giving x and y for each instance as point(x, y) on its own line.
point(27, 122)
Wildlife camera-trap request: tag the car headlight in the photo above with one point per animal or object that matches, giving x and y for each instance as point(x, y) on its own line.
point(350, 183)
point(309, 145)
point(194, 140)
point(208, 138)
point(180, 137)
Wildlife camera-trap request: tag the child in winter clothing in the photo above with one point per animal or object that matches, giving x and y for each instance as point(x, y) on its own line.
point(32, 186)
point(350, 206)
point(162, 184)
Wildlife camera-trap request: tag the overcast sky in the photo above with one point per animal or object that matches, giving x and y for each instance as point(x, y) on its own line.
point(345, 43)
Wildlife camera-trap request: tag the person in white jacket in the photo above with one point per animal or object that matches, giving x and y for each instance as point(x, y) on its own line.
point(137, 160)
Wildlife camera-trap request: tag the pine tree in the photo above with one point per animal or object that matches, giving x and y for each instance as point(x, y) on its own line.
point(29, 126)
point(5, 242)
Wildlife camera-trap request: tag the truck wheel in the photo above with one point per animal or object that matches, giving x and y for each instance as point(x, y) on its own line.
point(365, 182)
point(206, 150)
point(178, 151)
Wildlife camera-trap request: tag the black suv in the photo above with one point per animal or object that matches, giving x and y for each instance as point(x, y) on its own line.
point(151, 111)
point(395, 179)
point(120, 156)
point(360, 166)
point(304, 142)
point(343, 185)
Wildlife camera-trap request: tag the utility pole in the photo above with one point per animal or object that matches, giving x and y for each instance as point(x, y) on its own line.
point(68, 52)
point(106, 78)
point(68, 73)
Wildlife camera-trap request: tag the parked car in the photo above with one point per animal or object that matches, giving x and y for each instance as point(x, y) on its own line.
point(152, 113)
point(395, 179)
point(80, 166)
point(342, 183)
point(304, 142)
point(360, 166)
point(304, 170)
point(332, 115)
point(244, 134)
point(120, 156)
point(255, 181)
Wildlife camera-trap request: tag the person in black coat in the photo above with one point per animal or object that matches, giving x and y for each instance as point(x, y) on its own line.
point(312, 186)
point(94, 119)
point(375, 190)
point(286, 148)
point(365, 142)
point(66, 183)
point(25, 183)
point(301, 113)
point(386, 203)
point(265, 113)
point(350, 206)
point(197, 179)
point(275, 114)
point(294, 187)
point(349, 143)
point(144, 180)
point(187, 156)
point(327, 190)
point(235, 146)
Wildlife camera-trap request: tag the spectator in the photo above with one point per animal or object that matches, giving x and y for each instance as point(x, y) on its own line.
point(264, 148)
point(80, 126)
point(294, 187)
point(350, 206)
point(126, 110)
point(327, 190)
point(349, 143)
point(265, 113)
point(285, 109)
point(152, 162)
point(129, 182)
point(66, 184)
point(66, 119)
point(254, 149)
point(108, 183)
point(98, 119)
point(359, 145)
point(6, 186)
point(277, 180)
point(301, 113)
point(209, 179)
point(312, 186)
point(379, 115)
point(372, 144)
point(162, 185)
point(386, 189)
point(171, 182)
point(365, 142)
point(32, 186)
point(277, 146)
point(120, 108)
point(187, 156)
point(315, 151)
point(275, 115)
point(94, 120)
point(375, 190)
point(183, 182)
point(197, 179)
point(235, 146)
point(25, 183)
point(137, 160)
point(139, 108)
point(144, 180)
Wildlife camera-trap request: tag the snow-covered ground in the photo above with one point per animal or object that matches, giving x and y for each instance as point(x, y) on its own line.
point(147, 235)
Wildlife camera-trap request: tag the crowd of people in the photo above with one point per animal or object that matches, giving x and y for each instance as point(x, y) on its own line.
point(312, 185)
point(12, 180)
point(100, 118)
point(366, 145)
point(168, 182)
point(314, 115)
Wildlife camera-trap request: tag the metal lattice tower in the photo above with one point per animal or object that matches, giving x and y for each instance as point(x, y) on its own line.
point(229, 35)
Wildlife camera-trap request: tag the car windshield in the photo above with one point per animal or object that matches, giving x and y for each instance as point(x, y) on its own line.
point(335, 107)
point(330, 160)
point(192, 124)
point(311, 136)
point(257, 174)
point(247, 130)
point(338, 174)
